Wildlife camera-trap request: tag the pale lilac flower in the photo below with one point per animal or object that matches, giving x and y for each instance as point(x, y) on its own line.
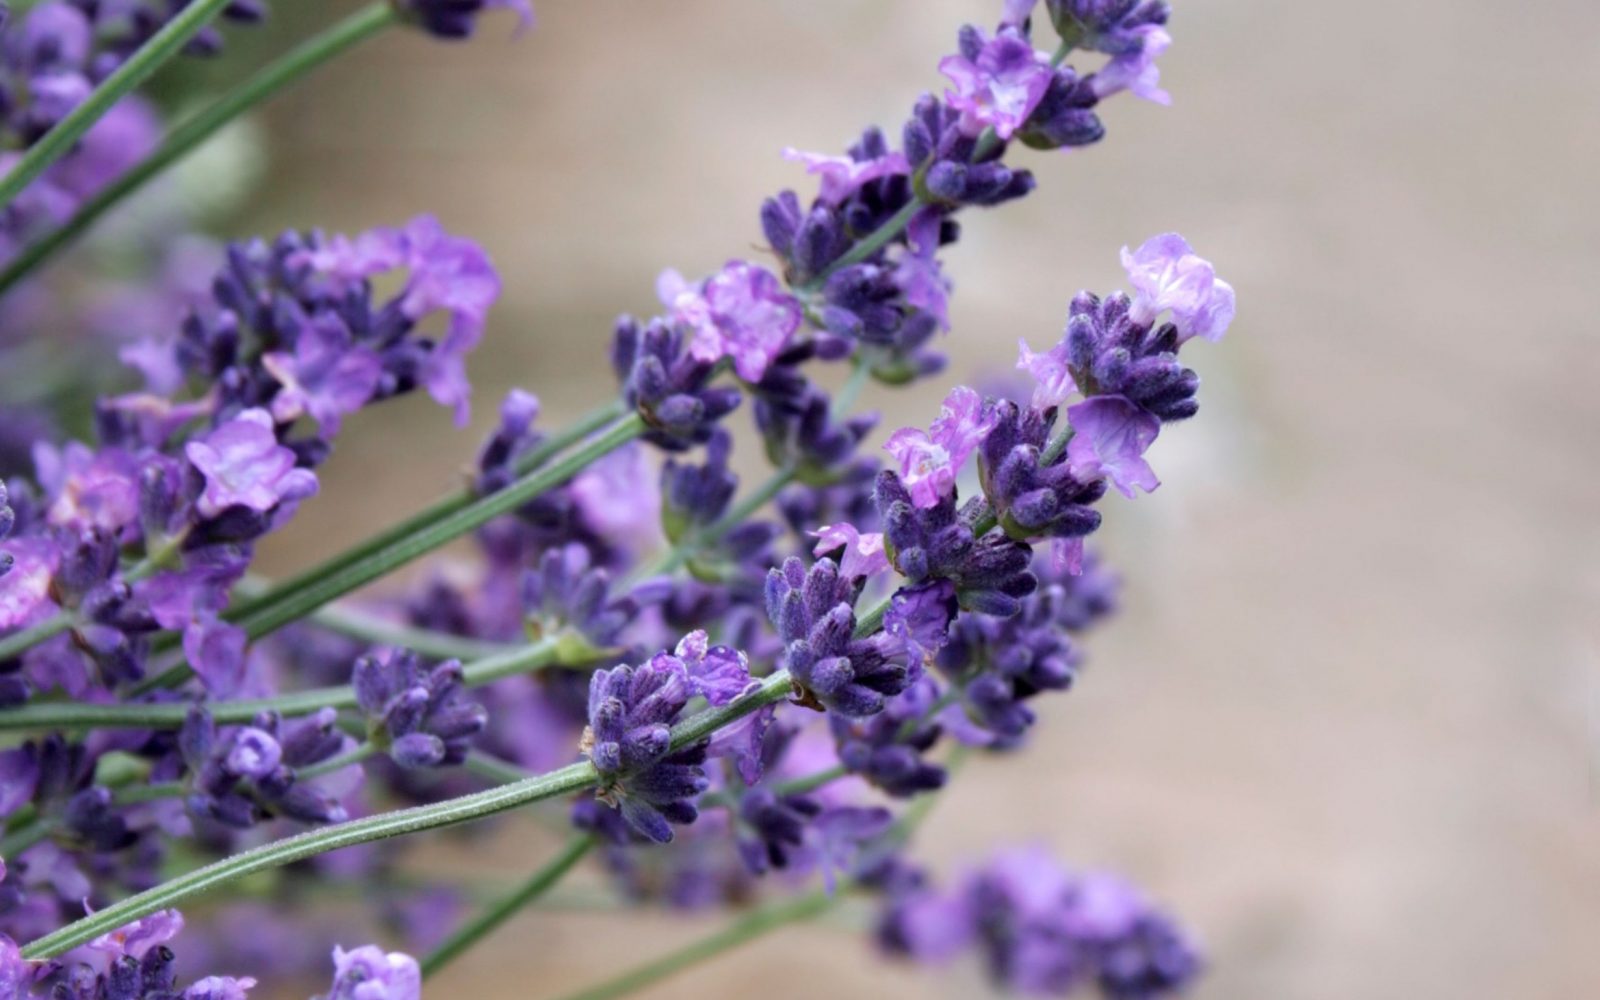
point(16, 972)
point(455, 275)
point(863, 554)
point(930, 460)
point(216, 651)
point(444, 273)
point(619, 498)
point(245, 466)
point(127, 133)
point(1136, 71)
point(91, 489)
point(1052, 374)
point(219, 988)
point(1016, 11)
point(717, 673)
point(998, 89)
point(842, 176)
point(740, 313)
point(1110, 436)
point(1066, 556)
point(918, 273)
point(368, 974)
point(326, 377)
point(1166, 274)
point(137, 938)
point(919, 619)
point(25, 588)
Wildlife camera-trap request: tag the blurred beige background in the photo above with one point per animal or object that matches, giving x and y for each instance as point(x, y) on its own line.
point(1349, 723)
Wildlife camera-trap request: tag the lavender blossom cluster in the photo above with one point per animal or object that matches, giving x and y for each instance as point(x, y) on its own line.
point(741, 690)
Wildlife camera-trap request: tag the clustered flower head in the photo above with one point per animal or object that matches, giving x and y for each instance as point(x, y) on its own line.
point(739, 692)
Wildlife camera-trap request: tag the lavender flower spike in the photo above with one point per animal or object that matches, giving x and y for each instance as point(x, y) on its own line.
point(1166, 274)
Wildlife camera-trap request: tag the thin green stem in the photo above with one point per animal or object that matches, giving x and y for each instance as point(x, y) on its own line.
point(497, 913)
point(860, 375)
point(170, 714)
point(310, 844)
point(317, 589)
point(451, 812)
point(747, 928)
point(54, 144)
point(195, 130)
point(432, 514)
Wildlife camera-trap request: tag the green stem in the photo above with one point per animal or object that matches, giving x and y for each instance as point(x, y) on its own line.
point(747, 928)
point(54, 144)
point(432, 514)
point(170, 714)
point(193, 131)
point(502, 910)
point(318, 588)
point(310, 844)
point(451, 812)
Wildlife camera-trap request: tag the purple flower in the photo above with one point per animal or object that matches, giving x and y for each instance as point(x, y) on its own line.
point(25, 588)
point(998, 85)
point(16, 972)
point(367, 973)
point(619, 498)
point(1135, 71)
point(245, 466)
point(931, 460)
point(842, 176)
point(255, 753)
point(54, 34)
point(423, 717)
point(842, 834)
point(219, 988)
point(445, 273)
point(717, 673)
point(92, 489)
point(740, 313)
point(325, 377)
point(215, 650)
point(456, 19)
point(1016, 11)
point(919, 618)
point(137, 938)
point(918, 273)
point(1166, 274)
point(1110, 437)
point(863, 555)
point(1051, 371)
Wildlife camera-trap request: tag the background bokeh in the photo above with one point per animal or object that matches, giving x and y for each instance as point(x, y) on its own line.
point(1347, 724)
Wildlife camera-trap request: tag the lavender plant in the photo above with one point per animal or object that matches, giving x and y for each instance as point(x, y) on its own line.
point(747, 695)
